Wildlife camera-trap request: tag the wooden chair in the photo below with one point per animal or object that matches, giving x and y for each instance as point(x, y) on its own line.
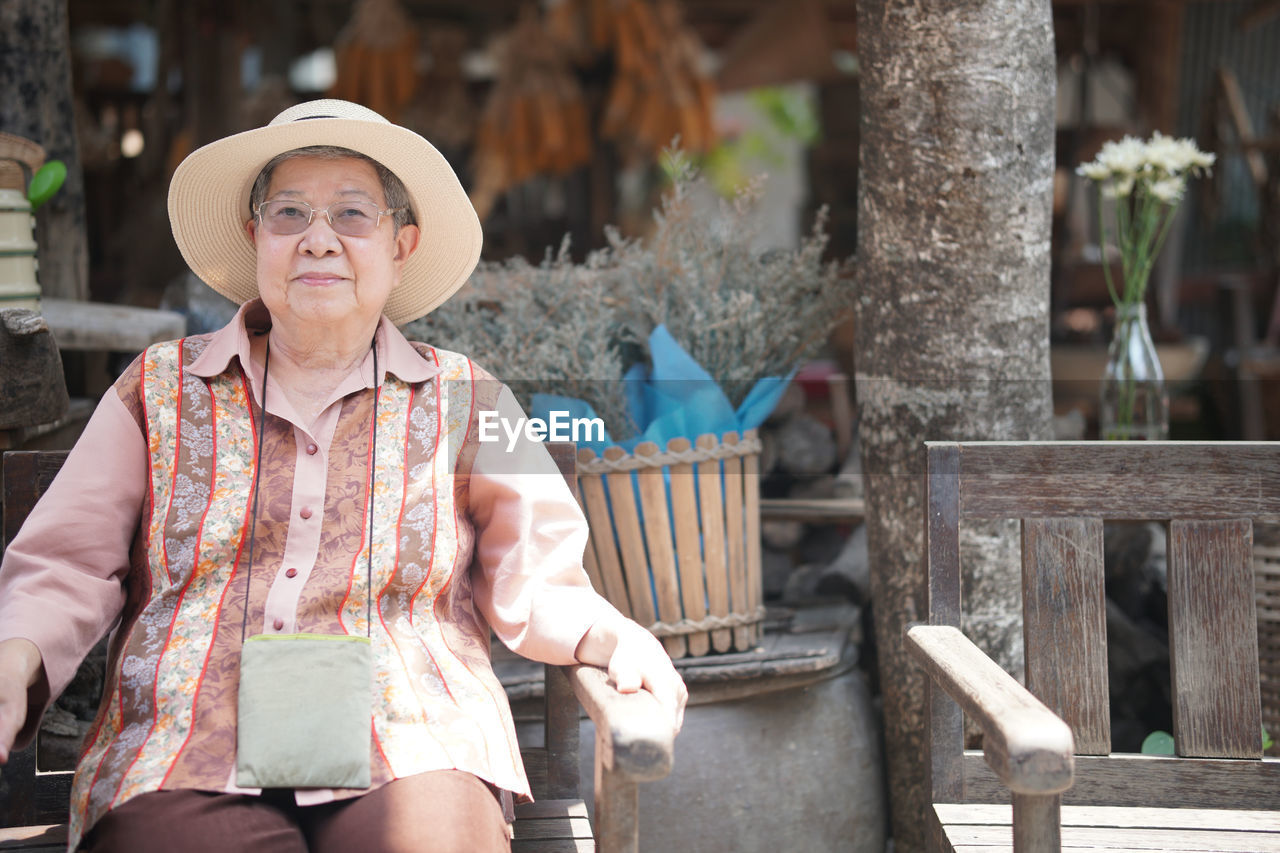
point(1050, 743)
point(1266, 576)
point(633, 741)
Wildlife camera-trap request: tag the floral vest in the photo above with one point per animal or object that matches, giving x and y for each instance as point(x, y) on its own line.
point(167, 719)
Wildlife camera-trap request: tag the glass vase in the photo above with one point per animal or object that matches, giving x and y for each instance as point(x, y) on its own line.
point(1135, 403)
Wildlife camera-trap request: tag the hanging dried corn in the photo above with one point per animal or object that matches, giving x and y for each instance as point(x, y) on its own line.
point(582, 28)
point(659, 90)
point(535, 120)
point(375, 54)
point(692, 89)
point(443, 110)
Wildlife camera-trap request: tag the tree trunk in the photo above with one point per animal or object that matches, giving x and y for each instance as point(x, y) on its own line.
point(952, 322)
point(35, 103)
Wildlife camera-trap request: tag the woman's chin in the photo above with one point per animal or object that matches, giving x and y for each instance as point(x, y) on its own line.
point(321, 306)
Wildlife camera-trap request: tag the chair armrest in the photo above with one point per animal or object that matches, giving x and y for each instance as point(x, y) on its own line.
point(634, 733)
point(1028, 746)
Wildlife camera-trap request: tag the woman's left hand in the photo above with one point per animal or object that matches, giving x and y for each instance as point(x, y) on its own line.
point(635, 659)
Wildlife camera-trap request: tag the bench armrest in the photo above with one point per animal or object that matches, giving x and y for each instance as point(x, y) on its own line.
point(634, 732)
point(1028, 746)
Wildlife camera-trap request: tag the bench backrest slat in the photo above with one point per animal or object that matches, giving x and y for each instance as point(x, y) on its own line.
point(1213, 639)
point(1065, 625)
point(1148, 780)
point(1119, 480)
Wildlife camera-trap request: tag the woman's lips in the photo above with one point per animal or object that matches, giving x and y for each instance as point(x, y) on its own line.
point(317, 279)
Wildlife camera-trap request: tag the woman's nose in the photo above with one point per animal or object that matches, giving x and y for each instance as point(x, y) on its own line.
point(319, 238)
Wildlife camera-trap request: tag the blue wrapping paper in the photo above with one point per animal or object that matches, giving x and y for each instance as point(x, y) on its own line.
point(673, 398)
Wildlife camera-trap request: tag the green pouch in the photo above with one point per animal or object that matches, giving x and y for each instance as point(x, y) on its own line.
point(305, 711)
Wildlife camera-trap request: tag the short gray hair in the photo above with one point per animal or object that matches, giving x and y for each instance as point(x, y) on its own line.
point(393, 189)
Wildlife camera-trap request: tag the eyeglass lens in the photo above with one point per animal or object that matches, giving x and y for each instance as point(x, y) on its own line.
point(350, 218)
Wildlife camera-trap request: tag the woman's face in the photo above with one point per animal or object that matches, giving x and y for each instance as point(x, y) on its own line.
point(319, 276)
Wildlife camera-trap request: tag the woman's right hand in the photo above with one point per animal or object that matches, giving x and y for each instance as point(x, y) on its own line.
point(20, 667)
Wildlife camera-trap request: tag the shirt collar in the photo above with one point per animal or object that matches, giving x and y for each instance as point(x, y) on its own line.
point(395, 354)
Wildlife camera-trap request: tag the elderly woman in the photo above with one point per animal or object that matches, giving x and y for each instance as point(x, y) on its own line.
point(291, 526)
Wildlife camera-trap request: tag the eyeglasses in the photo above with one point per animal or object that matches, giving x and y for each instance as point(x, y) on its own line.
point(348, 218)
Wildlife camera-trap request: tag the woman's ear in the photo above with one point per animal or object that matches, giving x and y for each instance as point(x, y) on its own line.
point(251, 228)
point(406, 242)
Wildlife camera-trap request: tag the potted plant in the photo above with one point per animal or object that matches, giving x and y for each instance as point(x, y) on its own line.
point(680, 343)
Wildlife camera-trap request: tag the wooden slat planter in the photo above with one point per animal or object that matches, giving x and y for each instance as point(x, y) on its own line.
point(675, 538)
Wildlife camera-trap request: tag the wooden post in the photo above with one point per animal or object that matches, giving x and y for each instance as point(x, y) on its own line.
point(617, 803)
point(1037, 823)
point(561, 735)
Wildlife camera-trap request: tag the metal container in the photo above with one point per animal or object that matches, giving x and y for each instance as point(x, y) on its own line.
point(797, 768)
point(780, 750)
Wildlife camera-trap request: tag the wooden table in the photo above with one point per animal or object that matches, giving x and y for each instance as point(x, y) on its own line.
point(97, 326)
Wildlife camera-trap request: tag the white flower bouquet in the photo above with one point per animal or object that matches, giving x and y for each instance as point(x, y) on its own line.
point(1146, 180)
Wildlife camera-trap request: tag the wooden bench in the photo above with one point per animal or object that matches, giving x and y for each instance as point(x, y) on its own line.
point(1050, 743)
point(633, 741)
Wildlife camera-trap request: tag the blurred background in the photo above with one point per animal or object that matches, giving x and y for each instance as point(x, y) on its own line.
point(556, 114)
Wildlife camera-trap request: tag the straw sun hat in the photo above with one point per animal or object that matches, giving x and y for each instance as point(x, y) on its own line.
point(209, 202)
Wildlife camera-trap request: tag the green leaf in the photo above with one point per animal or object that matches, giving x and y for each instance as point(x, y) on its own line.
point(1267, 742)
point(1158, 743)
point(791, 114)
point(47, 180)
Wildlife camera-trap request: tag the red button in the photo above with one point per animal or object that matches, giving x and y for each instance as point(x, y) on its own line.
point(305, 512)
point(291, 573)
point(311, 449)
point(278, 624)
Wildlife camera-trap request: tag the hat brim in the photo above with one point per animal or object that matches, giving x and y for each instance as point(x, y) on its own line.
point(209, 205)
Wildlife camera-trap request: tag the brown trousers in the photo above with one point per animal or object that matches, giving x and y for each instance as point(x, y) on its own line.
point(445, 811)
